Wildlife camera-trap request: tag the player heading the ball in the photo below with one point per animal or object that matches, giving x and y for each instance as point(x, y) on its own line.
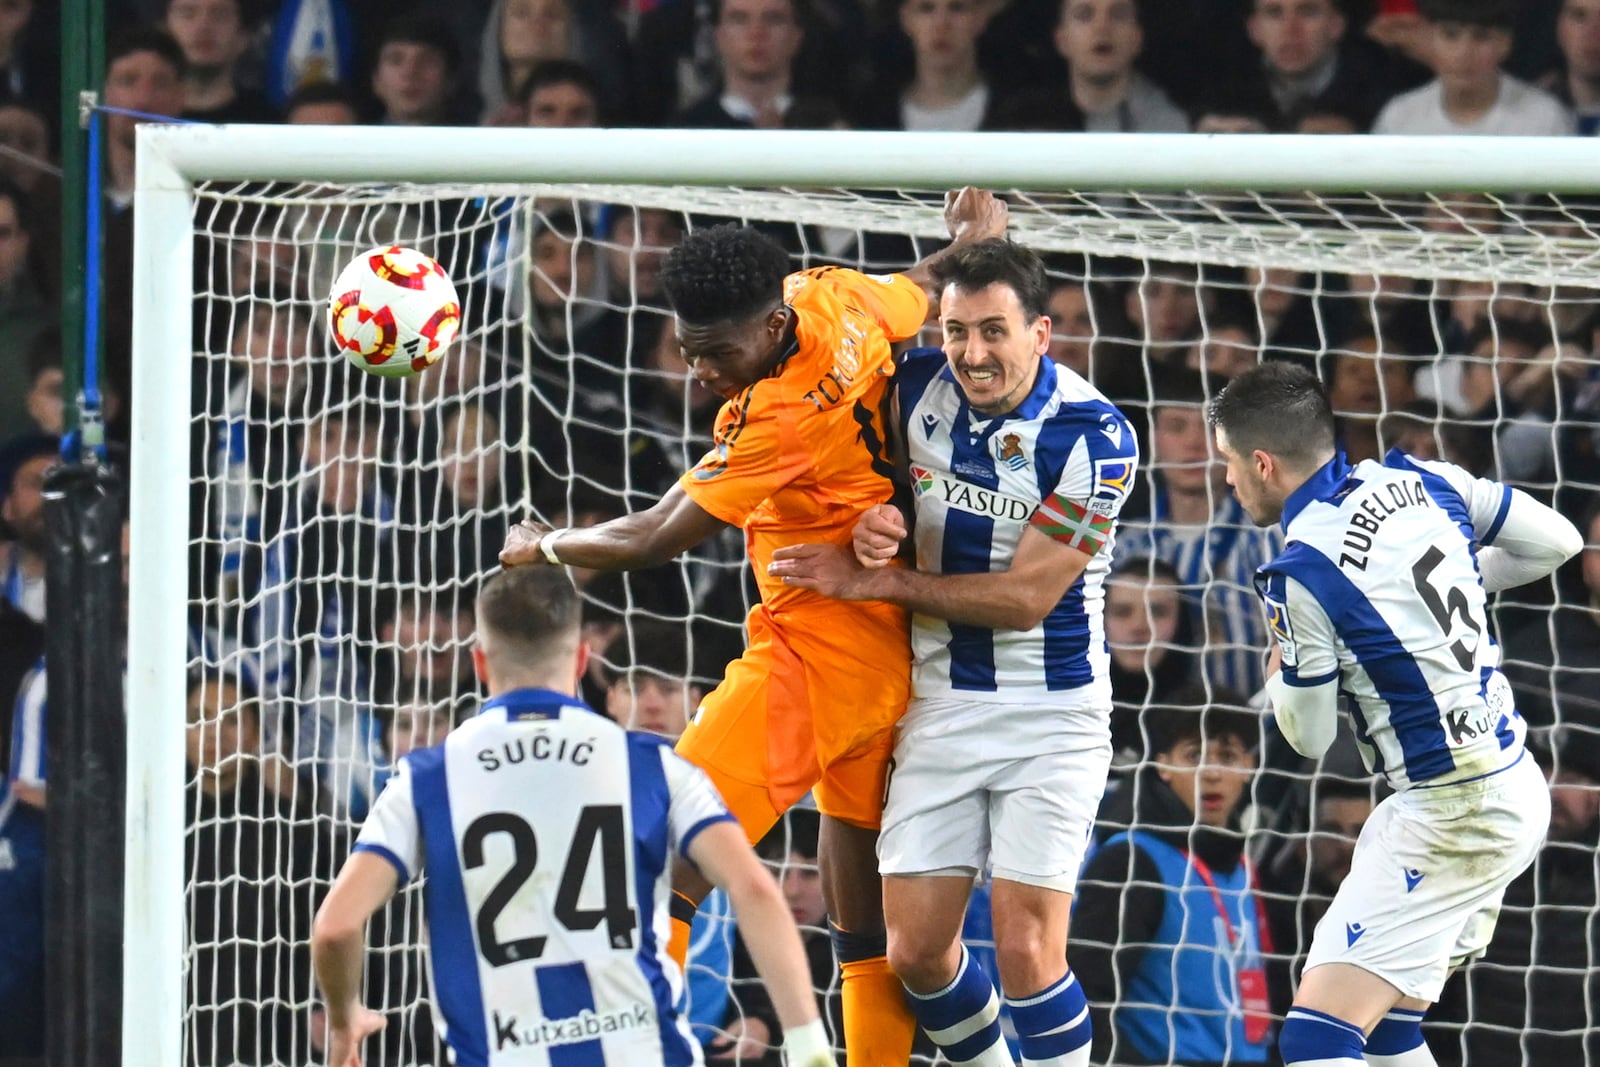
point(1380, 595)
point(546, 832)
point(1018, 468)
point(804, 362)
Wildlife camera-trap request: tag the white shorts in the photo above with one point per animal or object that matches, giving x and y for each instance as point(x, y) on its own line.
point(973, 784)
point(1431, 868)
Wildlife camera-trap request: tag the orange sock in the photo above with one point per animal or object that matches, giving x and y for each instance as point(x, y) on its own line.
point(683, 910)
point(878, 1027)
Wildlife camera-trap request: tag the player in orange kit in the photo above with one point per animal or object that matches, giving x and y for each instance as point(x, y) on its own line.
point(804, 362)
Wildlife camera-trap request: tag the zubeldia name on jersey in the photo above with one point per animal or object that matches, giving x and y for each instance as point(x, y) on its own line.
point(1370, 515)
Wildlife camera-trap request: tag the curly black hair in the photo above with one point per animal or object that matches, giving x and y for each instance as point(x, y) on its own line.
point(724, 274)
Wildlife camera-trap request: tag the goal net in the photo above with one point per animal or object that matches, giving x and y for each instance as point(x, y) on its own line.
point(338, 526)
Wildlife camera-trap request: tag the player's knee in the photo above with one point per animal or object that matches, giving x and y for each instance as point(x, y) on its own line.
point(922, 963)
point(1028, 965)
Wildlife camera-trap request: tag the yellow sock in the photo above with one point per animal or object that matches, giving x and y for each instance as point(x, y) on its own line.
point(878, 1027)
point(683, 910)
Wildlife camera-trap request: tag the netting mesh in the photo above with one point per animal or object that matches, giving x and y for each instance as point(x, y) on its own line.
point(341, 523)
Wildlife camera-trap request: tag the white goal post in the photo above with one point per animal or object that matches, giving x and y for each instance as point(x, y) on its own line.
point(1184, 190)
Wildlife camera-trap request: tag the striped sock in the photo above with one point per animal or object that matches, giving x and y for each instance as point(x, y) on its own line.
point(1397, 1041)
point(1311, 1039)
point(963, 1018)
point(1053, 1026)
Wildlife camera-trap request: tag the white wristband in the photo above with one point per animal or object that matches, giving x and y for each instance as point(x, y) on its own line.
point(807, 1046)
point(547, 545)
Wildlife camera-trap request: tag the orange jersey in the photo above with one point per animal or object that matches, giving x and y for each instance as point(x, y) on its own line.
point(799, 455)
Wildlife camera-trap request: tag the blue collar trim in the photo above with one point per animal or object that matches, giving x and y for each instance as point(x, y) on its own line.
point(1325, 484)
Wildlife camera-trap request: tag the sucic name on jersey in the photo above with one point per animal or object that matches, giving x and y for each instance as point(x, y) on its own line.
point(538, 747)
point(1370, 515)
point(972, 498)
point(512, 1032)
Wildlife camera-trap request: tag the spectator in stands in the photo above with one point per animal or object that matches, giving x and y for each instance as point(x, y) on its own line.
point(465, 513)
point(1531, 997)
point(1553, 659)
point(1470, 40)
point(946, 90)
point(144, 73)
point(1078, 319)
point(633, 243)
point(1299, 879)
point(1165, 307)
point(322, 104)
point(750, 1033)
point(415, 76)
point(1185, 516)
point(1151, 634)
point(756, 44)
point(258, 862)
point(655, 694)
point(1307, 61)
point(565, 289)
point(424, 637)
point(1363, 383)
point(214, 37)
point(521, 35)
point(560, 94)
point(22, 856)
point(1230, 343)
point(1508, 388)
point(1168, 929)
point(29, 62)
point(315, 617)
point(23, 462)
point(416, 726)
point(26, 160)
point(1099, 39)
point(1576, 82)
point(45, 405)
point(24, 313)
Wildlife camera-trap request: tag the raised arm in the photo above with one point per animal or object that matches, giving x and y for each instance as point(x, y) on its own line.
point(671, 526)
point(724, 856)
point(972, 214)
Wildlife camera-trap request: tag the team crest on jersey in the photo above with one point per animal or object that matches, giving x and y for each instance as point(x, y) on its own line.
point(1113, 479)
point(1009, 451)
point(1278, 619)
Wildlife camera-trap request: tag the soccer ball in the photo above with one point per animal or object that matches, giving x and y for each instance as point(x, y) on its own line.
point(393, 311)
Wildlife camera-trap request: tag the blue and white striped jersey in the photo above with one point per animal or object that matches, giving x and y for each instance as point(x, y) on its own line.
point(1217, 564)
point(1065, 453)
point(1379, 589)
point(547, 833)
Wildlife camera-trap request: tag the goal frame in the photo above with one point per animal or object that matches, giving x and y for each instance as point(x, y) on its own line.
point(170, 159)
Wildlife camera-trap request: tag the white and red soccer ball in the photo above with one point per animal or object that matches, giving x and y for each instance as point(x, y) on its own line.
point(393, 311)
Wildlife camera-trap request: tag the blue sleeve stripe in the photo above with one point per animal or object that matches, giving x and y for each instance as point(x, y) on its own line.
point(386, 853)
point(1394, 672)
point(1294, 678)
point(694, 831)
point(1500, 516)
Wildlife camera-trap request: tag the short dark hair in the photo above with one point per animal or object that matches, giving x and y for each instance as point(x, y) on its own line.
point(997, 261)
point(1533, 336)
point(559, 72)
point(724, 274)
point(1279, 408)
point(1192, 712)
point(146, 38)
point(794, 834)
point(656, 648)
point(321, 92)
point(419, 27)
point(213, 678)
point(1495, 14)
point(531, 607)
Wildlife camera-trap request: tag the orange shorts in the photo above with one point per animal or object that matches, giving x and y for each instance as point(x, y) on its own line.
point(811, 705)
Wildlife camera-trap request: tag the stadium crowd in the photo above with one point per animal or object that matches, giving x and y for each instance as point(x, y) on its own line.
point(336, 546)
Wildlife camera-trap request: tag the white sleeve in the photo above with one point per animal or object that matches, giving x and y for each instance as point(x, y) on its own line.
point(1487, 501)
point(391, 828)
point(695, 802)
point(1532, 541)
point(1305, 693)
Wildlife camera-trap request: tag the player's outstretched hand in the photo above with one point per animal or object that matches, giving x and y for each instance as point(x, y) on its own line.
point(522, 544)
point(344, 1042)
point(827, 569)
point(878, 534)
point(974, 214)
